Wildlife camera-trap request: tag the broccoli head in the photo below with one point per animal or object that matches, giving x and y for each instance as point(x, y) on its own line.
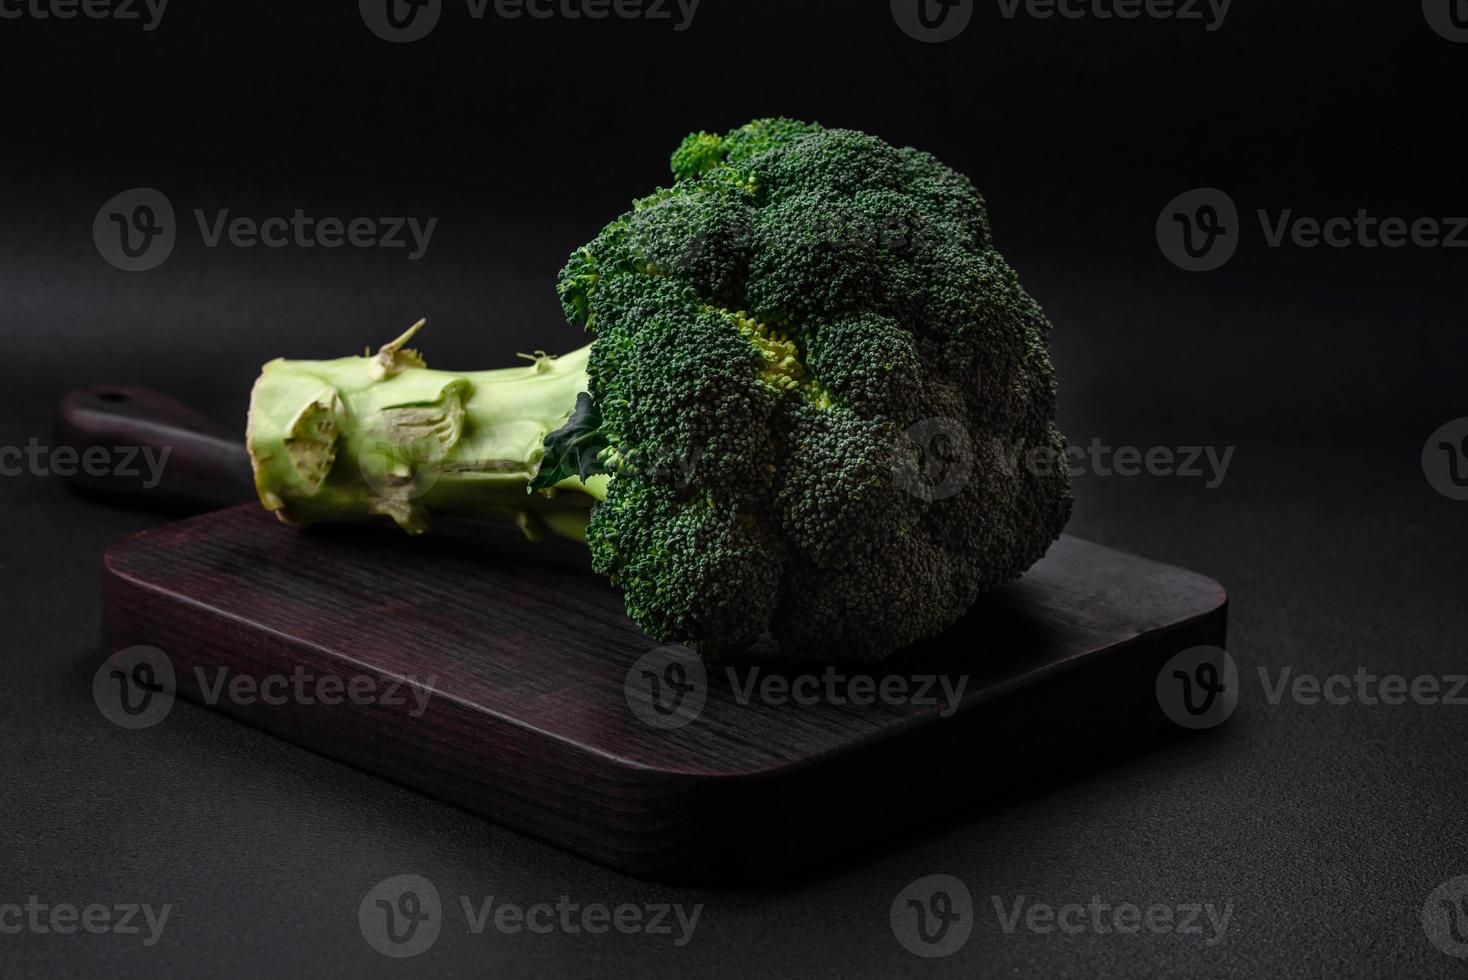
point(811, 366)
point(811, 376)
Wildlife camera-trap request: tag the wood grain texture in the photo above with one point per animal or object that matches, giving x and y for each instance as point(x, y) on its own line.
point(529, 723)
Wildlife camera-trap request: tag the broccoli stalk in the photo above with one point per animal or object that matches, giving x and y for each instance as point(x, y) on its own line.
point(359, 438)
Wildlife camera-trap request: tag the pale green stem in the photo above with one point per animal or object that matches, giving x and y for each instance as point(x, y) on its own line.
point(361, 438)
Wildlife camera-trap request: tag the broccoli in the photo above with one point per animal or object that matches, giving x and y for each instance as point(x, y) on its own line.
point(811, 374)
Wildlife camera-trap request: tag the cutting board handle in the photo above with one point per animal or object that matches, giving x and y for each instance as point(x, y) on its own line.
point(142, 448)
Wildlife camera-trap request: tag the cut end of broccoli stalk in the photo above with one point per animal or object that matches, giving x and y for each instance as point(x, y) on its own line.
point(383, 436)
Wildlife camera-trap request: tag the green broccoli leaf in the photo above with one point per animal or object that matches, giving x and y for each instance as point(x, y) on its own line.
point(575, 449)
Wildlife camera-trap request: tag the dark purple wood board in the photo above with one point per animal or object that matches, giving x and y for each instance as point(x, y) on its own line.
point(529, 723)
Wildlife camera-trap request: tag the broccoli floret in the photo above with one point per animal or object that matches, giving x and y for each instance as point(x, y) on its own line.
point(810, 379)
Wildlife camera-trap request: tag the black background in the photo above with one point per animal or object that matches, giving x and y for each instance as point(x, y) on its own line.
point(1325, 369)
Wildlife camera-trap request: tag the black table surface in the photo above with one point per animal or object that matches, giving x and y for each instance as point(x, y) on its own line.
point(1320, 829)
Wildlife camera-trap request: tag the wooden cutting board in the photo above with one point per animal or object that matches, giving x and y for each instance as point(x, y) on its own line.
point(503, 677)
